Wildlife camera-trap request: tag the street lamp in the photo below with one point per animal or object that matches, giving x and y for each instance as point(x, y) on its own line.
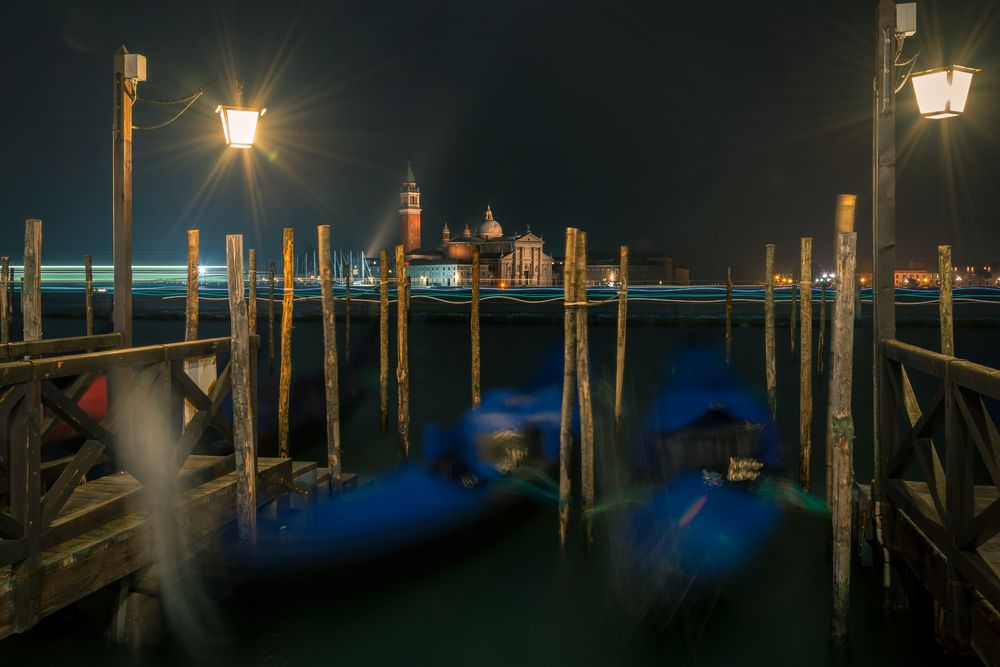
point(239, 125)
point(240, 128)
point(942, 92)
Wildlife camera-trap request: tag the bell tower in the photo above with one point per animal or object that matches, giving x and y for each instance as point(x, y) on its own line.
point(409, 212)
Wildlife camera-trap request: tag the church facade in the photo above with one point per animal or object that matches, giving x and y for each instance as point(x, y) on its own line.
point(506, 260)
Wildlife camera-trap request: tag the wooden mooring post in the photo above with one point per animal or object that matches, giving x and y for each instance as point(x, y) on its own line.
point(769, 364)
point(805, 365)
point(88, 294)
point(191, 307)
point(243, 424)
point(383, 340)
point(569, 382)
point(4, 296)
point(583, 389)
point(270, 316)
point(402, 354)
point(622, 323)
point(729, 315)
point(474, 325)
point(945, 279)
point(31, 289)
point(285, 371)
point(330, 356)
point(347, 313)
point(842, 429)
point(843, 223)
point(252, 291)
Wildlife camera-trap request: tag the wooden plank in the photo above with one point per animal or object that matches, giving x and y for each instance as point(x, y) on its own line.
point(587, 491)
point(26, 506)
point(805, 365)
point(623, 322)
point(975, 417)
point(88, 294)
point(474, 328)
point(193, 431)
point(926, 424)
point(60, 491)
point(770, 370)
point(925, 361)
point(402, 355)
point(61, 346)
point(4, 296)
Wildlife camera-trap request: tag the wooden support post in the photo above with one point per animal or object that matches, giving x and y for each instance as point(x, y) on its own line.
point(945, 277)
point(402, 354)
point(31, 290)
point(475, 326)
point(285, 372)
point(330, 356)
point(822, 328)
point(583, 388)
point(805, 366)
point(88, 294)
point(252, 291)
point(121, 209)
point(383, 340)
point(270, 316)
point(729, 315)
point(191, 311)
point(842, 428)
point(622, 322)
point(347, 314)
point(25, 504)
point(769, 363)
point(4, 296)
point(243, 431)
point(569, 382)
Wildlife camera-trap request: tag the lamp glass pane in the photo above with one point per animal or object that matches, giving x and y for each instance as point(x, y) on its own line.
point(242, 126)
point(933, 91)
point(960, 82)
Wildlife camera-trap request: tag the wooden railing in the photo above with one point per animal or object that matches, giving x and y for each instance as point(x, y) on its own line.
point(153, 373)
point(933, 453)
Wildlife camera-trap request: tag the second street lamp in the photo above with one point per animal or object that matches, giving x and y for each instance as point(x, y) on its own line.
point(942, 92)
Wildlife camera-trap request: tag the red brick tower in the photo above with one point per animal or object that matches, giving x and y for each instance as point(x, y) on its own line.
point(409, 212)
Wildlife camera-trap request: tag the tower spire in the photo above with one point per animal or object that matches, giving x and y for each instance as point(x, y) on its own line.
point(410, 178)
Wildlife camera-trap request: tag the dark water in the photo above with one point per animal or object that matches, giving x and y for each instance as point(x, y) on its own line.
point(509, 596)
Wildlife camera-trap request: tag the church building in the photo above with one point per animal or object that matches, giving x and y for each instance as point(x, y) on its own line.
point(506, 260)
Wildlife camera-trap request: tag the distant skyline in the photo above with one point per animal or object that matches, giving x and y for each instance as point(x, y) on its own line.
point(699, 131)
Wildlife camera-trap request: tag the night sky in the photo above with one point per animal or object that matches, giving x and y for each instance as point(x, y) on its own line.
point(702, 131)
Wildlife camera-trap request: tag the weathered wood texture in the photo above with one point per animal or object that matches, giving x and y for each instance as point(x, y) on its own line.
point(821, 336)
point(805, 366)
point(945, 278)
point(842, 427)
point(285, 371)
point(583, 389)
point(729, 315)
point(569, 383)
point(622, 325)
point(88, 294)
point(31, 290)
point(243, 431)
point(792, 323)
point(252, 291)
point(330, 368)
point(402, 354)
point(769, 363)
point(383, 340)
point(191, 307)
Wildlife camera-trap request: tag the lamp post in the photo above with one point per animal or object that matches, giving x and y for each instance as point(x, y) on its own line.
point(239, 126)
point(941, 93)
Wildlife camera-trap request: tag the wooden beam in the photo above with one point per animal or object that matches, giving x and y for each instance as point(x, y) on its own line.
point(31, 291)
point(330, 366)
point(88, 294)
point(402, 355)
point(622, 329)
point(285, 372)
point(383, 340)
point(769, 363)
point(474, 328)
point(569, 382)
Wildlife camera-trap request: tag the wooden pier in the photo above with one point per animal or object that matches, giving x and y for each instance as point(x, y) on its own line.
point(73, 523)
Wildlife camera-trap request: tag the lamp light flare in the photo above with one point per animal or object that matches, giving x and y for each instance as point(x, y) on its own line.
point(942, 92)
point(239, 125)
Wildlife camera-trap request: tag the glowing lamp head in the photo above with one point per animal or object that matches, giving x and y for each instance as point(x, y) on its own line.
point(239, 125)
point(943, 91)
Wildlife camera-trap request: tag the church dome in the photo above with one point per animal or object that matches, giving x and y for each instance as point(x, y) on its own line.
point(490, 227)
